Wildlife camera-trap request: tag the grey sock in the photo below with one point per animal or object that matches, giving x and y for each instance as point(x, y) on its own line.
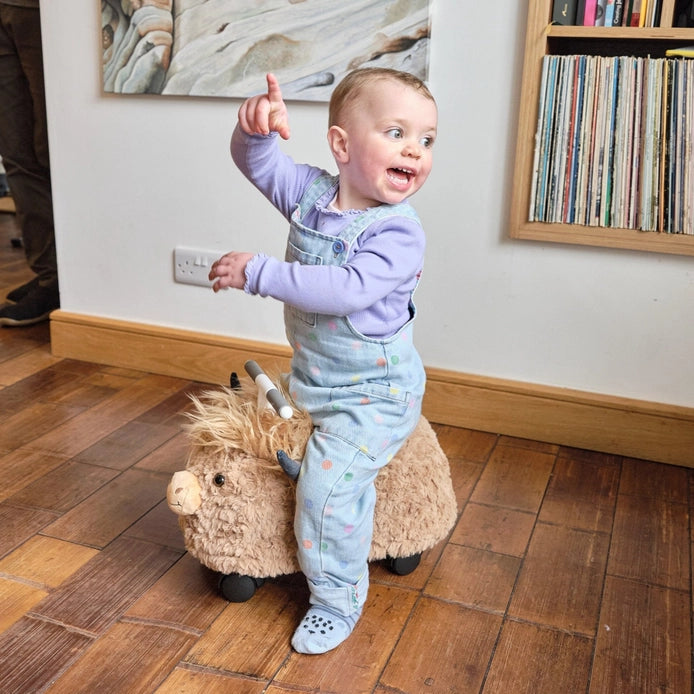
point(321, 630)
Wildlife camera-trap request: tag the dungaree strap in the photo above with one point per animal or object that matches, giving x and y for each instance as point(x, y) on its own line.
point(325, 182)
point(313, 193)
point(375, 214)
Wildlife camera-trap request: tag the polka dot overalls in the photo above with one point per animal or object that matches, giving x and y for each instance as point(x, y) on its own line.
point(364, 396)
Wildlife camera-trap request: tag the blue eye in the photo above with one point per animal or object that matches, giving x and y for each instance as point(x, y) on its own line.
point(427, 141)
point(395, 133)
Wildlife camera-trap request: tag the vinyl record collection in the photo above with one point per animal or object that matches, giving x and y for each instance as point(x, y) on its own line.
point(614, 145)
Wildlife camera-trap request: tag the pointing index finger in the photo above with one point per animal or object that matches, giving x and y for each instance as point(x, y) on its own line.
point(274, 93)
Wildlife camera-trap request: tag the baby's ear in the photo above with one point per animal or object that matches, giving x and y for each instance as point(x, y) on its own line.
point(337, 139)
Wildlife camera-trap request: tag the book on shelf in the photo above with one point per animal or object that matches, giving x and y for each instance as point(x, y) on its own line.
point(557, 165)
point(636, 146)
point(654, 108)
point(635, 17)
point(680, 143)
point(547, 85)
point(600, 13)
point(585, 141)
point(609, 12)
point(605, 167)
point(614, 144)
point(620, 150)
point(577, 116)
point(688, 182)
point(564, 12)
point(626, 13)
point(654, 11)
point(589, 13)
point(648, 161)
point(664, 182)
point(618, 13)
point(580, 11)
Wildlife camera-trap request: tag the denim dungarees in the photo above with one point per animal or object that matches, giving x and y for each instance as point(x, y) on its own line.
point(364, 396)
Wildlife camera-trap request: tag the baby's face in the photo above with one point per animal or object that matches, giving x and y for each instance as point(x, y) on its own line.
point(390, 131)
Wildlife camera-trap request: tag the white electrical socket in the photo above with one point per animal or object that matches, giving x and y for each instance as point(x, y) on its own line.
point(192, 265)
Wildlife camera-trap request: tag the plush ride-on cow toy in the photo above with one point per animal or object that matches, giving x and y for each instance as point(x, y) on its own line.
point(236, 504)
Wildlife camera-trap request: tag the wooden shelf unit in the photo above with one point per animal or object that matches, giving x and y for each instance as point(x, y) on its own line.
point(544, 38)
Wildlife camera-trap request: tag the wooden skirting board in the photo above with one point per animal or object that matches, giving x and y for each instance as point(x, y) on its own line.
point(7, 204)
point(623, 426)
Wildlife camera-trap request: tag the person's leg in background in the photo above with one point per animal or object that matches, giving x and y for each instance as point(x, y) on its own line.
point(24, 149)
point(4, 188)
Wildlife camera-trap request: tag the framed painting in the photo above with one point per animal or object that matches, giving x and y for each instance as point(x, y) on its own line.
point(224, 48)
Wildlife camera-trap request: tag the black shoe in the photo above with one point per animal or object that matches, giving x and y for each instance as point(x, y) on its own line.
point(18, 293)
point(33, 308)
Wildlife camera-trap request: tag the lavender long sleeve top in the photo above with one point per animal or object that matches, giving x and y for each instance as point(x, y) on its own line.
point(374, 285)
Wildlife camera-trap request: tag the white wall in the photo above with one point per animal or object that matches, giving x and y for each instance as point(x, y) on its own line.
point(134, 176)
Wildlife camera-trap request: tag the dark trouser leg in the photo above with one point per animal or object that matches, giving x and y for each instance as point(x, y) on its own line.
point(23, 136)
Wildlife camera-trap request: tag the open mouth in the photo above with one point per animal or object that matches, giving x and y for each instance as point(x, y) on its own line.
point(400, 177)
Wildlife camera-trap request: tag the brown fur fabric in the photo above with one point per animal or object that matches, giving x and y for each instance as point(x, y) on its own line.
point(245, 523)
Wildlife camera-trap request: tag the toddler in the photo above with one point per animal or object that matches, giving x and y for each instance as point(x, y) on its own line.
point(353, 260)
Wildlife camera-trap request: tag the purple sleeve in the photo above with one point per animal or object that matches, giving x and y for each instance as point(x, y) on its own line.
point(281, 180)
point(383, 266)
point(386, 263)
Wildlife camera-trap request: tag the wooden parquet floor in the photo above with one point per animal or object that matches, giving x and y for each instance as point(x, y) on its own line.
point(567, 572)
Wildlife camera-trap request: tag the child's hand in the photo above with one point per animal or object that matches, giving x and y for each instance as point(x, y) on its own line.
point(265, 113)
point(229, 271)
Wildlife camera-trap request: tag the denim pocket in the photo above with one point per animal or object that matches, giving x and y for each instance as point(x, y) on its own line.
point(390, 401)
point(294, 254)
point(375, 416)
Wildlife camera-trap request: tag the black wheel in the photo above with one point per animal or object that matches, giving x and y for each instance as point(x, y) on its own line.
point(404, 565)
point(238, 588)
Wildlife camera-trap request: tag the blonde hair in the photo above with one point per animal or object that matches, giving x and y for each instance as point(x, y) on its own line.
point(356, 81)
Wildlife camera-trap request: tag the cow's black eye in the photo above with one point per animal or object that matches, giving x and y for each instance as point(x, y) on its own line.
point(219, 479)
